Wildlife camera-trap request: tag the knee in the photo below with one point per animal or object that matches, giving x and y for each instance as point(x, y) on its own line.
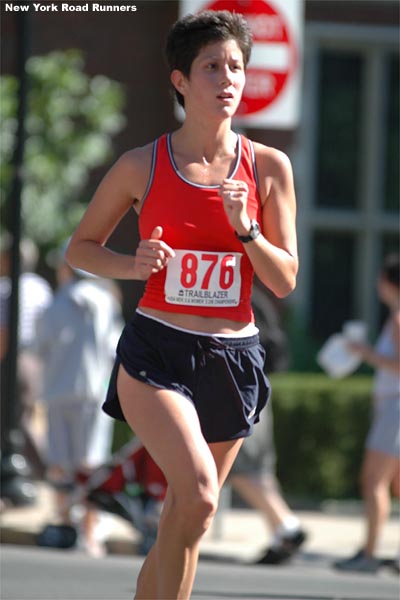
point(368, 485)
point(197, 510)
point(374, 489)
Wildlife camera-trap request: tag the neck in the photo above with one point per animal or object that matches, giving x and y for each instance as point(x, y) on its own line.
point(207, 141)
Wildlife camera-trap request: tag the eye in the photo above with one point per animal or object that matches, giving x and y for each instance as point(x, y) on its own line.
point(211, 66)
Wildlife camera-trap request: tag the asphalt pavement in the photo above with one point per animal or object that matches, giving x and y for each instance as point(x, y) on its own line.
point(30, 573)
point(226, 556)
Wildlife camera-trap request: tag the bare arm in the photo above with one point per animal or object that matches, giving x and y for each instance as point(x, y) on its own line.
point(379, 361)
point(121, 188)
point(273, 254)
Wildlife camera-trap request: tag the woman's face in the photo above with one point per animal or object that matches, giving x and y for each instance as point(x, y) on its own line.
point(216, 81)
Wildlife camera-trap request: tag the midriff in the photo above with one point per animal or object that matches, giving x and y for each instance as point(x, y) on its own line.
point(210, 325)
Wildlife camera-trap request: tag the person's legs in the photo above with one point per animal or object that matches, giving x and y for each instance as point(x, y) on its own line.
point(262, 493)
point(224, 454)
point(168, 426)
point(264, 497)
point(90, 433)
point(378, 473)
point(253, 477)
point(60, 465)
point(88, 528)
point(61, 481)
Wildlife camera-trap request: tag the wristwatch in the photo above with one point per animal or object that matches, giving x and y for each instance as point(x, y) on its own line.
point(252, 235)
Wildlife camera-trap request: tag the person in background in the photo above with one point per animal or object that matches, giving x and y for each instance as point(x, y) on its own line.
point(253, 478)
point(35, 295)
point(253, 473)
point(380, 469)
point(76, 339)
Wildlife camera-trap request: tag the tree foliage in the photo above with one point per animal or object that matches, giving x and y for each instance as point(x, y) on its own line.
point(71, 118)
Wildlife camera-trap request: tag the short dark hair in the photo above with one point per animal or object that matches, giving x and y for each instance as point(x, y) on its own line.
point(194, 31)
point(391, 269)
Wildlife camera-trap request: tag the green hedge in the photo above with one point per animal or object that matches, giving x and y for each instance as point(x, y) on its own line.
point(122, 435)
point(320, 427)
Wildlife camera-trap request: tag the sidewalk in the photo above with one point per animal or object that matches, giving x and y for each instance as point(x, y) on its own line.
point(237, 534)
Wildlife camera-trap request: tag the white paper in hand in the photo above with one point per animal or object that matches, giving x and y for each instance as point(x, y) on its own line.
point(335, 357)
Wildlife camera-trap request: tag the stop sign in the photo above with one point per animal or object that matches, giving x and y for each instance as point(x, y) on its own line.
point(264, 83)
point(272, 93)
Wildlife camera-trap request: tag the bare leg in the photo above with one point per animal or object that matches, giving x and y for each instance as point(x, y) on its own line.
point(62, 507)
point(89, 522)
point(224, 454)
point(168, 425)
point(264, 496)
point(56, 475)
point(378, 473)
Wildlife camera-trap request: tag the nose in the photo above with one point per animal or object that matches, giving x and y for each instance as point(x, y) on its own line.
point(226, 76)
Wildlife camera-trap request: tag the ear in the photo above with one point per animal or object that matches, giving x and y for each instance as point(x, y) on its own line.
point(179, 81)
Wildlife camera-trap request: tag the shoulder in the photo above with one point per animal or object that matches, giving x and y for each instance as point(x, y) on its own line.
point(136, 160)
point(130, 173)
point(272, 161)
point(275, 174)
point(35, 283)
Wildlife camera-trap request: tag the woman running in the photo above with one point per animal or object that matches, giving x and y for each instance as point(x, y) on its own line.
point(213, 208)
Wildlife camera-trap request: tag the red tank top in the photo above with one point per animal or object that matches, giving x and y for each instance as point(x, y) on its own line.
point(211, 275)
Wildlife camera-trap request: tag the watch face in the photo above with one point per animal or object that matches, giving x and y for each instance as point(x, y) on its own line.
point(254, 230)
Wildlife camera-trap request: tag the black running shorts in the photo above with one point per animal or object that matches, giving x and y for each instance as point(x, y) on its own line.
point(222, 376)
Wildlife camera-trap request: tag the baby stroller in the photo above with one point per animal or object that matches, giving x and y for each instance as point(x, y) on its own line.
point(130, 485)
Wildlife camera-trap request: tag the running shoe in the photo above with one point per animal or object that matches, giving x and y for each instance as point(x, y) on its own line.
point(288, 546)
point(360, 562)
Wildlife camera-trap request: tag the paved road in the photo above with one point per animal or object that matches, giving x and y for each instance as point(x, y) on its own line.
point(29, 573)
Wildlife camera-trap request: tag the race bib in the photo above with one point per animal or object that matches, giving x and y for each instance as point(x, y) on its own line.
point(203, 278)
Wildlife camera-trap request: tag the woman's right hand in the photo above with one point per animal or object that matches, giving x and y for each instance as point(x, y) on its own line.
point(152, 255)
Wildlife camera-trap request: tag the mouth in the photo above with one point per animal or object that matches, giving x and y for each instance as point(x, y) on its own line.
point(225, 96)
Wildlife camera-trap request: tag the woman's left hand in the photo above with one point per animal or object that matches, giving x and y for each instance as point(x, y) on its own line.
point(234, 195)
point(363, 350)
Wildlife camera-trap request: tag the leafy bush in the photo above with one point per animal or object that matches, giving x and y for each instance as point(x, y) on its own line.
point(122, 435)
point(320, 427)
point(71, 118)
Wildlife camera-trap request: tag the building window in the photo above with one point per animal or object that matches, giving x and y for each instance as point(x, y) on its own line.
point(350, 213)
point(339, 123)
point(333, 276)
point(389, 245)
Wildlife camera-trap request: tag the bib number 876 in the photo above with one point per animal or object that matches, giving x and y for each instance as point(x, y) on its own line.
point(190, 265)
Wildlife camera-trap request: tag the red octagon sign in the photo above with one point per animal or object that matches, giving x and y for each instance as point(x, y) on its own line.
point(264, 84)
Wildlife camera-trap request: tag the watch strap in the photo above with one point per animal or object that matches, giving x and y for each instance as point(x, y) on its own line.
point(252, 235)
